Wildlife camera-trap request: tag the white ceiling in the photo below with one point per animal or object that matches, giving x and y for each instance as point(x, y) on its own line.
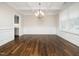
point(28, 8)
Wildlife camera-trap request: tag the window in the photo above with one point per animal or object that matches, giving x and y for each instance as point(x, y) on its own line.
point(16, 19)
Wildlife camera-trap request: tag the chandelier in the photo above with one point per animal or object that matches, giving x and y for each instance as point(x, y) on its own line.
point(39, 14)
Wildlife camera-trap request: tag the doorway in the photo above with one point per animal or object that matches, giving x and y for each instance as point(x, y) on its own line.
point(16, 27)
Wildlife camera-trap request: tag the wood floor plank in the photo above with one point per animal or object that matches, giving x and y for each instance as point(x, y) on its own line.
point(39, 45)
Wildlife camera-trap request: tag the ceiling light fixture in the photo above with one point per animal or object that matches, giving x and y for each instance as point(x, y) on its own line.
point(39, 14)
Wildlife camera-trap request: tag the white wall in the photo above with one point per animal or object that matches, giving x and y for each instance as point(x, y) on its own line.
point(33, 25)
point(6, 23)
point(72, 11)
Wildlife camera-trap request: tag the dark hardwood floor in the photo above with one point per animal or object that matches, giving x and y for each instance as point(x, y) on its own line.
point(39, 45)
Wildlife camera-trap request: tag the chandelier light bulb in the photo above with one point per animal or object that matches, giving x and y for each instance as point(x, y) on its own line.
point(41, 13)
